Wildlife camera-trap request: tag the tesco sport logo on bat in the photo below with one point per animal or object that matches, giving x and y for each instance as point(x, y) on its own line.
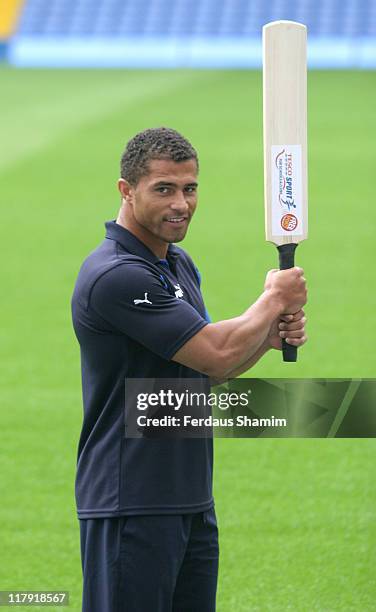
point(285, 166)
point(287, 189)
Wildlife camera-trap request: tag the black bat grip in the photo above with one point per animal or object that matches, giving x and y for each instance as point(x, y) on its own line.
point(286, 261)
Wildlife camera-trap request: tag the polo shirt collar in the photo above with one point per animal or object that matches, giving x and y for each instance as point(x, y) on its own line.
point(131, 243)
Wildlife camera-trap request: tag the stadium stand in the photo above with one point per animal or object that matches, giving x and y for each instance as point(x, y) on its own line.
point(186, 18)
point(9, 16)
point(181, 32)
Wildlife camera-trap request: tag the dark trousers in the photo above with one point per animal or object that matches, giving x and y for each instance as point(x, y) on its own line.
point(158, 563)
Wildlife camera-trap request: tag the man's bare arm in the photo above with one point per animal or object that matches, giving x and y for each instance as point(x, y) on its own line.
point(264, 348)
point(221, 348)
point(287, 326)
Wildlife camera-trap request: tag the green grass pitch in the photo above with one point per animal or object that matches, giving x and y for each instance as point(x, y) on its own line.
point(297, 517)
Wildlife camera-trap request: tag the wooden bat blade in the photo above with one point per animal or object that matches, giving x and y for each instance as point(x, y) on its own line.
point(285, 131)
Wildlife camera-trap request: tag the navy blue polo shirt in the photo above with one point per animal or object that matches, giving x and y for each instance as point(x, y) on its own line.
point(131, 313)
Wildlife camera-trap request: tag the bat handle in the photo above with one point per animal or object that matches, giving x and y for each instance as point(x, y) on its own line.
point(286, 261)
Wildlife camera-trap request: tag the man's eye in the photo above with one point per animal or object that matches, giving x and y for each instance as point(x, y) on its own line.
point(191, 189)
point(162, 190)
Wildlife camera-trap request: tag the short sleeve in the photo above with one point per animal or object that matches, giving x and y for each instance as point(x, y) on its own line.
point(134, 301)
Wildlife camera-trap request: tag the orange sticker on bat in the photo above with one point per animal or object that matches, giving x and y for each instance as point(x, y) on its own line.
point(289, 222)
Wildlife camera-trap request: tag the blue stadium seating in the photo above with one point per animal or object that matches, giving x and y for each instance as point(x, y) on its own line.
point(187, 18)
point(187, 33)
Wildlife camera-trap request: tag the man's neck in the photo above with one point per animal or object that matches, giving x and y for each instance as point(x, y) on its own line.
point(158, 247)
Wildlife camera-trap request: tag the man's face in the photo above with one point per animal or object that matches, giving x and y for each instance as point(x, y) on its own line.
point(164, 200)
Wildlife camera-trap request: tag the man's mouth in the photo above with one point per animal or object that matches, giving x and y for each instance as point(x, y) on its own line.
point(176, 220)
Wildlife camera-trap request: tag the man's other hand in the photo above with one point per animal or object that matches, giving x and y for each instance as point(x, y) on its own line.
point(289, 327)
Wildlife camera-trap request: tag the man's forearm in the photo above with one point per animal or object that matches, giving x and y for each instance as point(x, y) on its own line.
point(219, 349)
point(264, 348)
point(241, 340)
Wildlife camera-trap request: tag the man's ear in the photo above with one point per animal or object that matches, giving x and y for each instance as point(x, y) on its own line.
point(126, 189)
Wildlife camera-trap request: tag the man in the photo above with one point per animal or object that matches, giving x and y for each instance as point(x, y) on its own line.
point(148, 528)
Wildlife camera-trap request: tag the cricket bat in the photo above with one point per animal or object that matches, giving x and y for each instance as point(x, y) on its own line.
point(285, 141)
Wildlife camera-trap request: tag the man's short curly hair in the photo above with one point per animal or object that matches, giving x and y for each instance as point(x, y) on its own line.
point(153, 143)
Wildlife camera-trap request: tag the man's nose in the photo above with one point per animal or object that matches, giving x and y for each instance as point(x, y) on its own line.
point(179, 202)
